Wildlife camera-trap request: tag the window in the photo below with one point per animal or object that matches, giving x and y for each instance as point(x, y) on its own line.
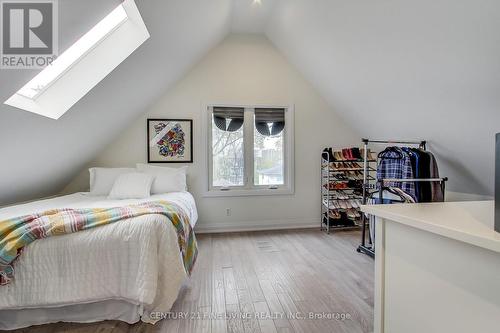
point(84, 64)
point(74, 53)
point(227, 147)
point(250, 150)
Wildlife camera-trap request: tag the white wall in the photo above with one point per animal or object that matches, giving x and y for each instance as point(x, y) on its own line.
point(460, 196)
point(405, 69)
point(244, 69)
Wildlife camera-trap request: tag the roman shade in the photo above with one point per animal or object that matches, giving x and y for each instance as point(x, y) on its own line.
point(269, 121)
point(228, 119)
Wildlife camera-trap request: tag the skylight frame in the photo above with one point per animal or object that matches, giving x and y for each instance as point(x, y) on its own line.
point(62, 91)
point(54, 71)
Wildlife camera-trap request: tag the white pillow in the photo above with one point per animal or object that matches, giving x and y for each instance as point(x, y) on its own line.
point(135, 185)
point(165, 179)
point(102, 179)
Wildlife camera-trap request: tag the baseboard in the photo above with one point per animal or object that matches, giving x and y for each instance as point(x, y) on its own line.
point(281, 224)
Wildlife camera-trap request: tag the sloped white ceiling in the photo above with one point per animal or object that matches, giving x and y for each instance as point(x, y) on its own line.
point(251, 16)
point(406, 69)
point(39, 155)
point(395, 69)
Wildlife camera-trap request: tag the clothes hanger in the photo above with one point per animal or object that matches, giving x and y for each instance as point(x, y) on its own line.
point(376, 195)
point(396, 150)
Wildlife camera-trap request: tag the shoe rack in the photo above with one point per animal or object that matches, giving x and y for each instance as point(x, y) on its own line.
point(342, 183)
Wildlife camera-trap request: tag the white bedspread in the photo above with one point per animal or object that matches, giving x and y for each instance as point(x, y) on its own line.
point(136, 261)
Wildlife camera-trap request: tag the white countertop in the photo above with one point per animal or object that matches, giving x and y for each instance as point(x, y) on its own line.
point(469, 222)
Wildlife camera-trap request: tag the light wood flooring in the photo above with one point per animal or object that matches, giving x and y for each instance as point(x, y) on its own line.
point(279, 275)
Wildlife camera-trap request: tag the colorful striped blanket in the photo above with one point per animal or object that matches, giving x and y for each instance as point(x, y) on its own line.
point(16, 233)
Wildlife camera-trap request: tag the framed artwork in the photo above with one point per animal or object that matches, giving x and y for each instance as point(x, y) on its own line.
point(170, 140)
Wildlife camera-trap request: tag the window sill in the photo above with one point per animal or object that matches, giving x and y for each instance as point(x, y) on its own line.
point(247, 193)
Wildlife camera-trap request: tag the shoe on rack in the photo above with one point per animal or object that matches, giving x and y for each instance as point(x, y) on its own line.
point(356, 165)
point(330, 186)
point(351, 156)
point(369, 155)
point(342, 204)
point(356, 153)
point(331, 158)
point(362, 153)
point(338, 156)
point(333, 214)
point(348, 154)
point(345, 154)
point(342, 186)
point(341, 176)
point(324, 155)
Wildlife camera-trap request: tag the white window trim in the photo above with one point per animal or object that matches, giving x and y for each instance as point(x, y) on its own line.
point(249, 189)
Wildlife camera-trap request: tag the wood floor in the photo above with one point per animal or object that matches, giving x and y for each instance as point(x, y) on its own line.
point(266, 282)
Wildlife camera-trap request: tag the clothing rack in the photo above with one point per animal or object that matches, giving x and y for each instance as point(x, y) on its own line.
point(367, 247)
point(422, 143)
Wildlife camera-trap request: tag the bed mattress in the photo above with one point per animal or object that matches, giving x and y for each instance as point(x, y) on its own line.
point(124, 270)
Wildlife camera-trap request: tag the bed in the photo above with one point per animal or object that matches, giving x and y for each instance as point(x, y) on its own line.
point(128, 270)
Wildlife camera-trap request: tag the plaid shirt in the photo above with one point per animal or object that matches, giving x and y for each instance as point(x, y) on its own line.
point(397, 164)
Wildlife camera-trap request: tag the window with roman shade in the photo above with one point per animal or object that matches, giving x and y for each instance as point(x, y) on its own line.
point(250, 150)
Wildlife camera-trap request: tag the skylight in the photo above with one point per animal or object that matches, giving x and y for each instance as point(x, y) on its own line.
point(84, 64)
point(74, 53)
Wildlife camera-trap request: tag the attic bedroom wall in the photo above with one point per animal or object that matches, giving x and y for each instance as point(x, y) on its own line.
point(405, 69)
point(243, 69)
point(39, 155)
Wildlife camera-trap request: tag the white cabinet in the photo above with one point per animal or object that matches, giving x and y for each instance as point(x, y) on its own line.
point(437, 268)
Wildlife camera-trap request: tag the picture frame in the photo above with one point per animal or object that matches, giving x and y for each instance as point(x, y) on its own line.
point(169, 140)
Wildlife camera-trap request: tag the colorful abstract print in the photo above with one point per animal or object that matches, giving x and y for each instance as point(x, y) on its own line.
point(172, 144)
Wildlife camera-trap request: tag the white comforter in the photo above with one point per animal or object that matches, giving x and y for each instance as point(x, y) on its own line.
point(135, 261)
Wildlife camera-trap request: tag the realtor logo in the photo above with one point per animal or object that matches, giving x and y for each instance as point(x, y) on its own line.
point(28, 36)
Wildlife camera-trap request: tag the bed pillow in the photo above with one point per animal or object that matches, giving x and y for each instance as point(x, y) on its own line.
point(165, 179)
point(102, 179)
point(134, 185)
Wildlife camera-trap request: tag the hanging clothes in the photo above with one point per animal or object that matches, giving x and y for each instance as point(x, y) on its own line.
point(405, 163)
point(415, 164)
point(396, 163)
point(424, 170)
point(437, 189)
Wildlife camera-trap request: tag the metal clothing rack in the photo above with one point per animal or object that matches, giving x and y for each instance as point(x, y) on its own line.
point(367, 246)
